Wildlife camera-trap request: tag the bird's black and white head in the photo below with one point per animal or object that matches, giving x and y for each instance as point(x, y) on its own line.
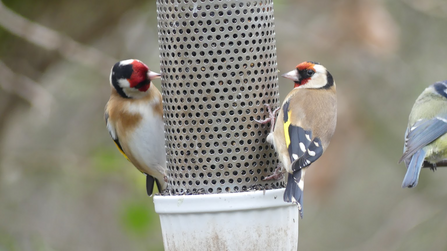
point(439, 88)
point(310, 75)
point(131, 78)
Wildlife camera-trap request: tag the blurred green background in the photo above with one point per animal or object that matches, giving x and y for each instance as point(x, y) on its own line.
point(64, 186)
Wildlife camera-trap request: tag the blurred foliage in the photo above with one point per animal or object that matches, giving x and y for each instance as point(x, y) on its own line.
point(136, 218)
point(106, 160)
point(64, 186)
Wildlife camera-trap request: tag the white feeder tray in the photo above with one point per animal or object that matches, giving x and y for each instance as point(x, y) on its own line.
point(257, 220)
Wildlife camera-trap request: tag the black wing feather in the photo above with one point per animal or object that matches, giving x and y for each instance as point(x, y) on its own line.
point(424, 132)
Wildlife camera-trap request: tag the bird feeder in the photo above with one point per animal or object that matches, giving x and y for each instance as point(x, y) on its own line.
point(219, 68)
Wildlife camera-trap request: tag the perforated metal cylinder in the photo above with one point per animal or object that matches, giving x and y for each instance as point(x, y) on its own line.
point(218, 63)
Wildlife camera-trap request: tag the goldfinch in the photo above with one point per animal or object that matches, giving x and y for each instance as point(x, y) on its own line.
point(426, 134)
point(304, 126)
point(134, 119)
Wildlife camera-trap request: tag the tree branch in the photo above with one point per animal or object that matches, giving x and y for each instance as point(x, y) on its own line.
point(27, 89)
point(442, 163)
point(54, 41)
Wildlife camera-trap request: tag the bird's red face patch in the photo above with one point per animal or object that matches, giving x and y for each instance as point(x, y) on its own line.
point(304, 66)
point(139, 78)
point(302, 82)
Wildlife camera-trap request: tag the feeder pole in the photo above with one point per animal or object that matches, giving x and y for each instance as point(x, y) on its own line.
point(219, 69)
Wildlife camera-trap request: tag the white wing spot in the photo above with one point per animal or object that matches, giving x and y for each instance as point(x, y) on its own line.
point(302, 147)
point(294, 156)
point(311, 153)
point(308, 137)
point(316, 144)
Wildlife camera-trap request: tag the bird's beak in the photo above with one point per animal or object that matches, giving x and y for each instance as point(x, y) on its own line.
point(153, 75)
point(292, 75)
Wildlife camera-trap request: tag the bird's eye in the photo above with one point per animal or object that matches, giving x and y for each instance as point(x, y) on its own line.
point(310, 73)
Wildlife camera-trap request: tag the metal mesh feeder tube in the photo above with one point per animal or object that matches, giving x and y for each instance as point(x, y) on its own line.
point(218, 60)
point(218, 63)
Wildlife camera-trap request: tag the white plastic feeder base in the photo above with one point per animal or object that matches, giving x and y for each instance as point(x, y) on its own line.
point(235, 221)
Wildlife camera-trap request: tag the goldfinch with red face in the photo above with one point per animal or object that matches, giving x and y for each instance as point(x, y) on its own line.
point(305, 124)
point(134, 119)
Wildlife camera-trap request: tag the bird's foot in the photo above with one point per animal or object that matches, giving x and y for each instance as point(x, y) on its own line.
point(271, 118)
point(434, 167)
point(278, 174)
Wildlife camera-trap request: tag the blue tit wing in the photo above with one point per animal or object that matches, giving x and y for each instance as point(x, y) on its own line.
point(422, 133)
point(414, 169)
point(114, 135)
point(406, 161)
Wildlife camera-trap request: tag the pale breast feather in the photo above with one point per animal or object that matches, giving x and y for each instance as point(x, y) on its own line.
point(147, 141)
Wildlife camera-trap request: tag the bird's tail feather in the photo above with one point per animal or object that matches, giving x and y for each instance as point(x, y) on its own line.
point(414, 169)
point(159, 185)
point(293, 192)
point(149, 184)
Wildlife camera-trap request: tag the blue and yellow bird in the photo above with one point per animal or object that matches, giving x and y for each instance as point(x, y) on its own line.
point(425, 137)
